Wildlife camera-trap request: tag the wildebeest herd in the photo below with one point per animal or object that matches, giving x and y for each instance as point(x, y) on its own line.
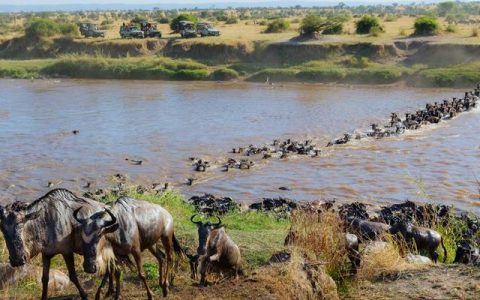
point(433, 113)
point(62, 223)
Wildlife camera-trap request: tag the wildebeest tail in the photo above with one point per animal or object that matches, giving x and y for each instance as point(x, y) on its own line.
point(178, 249)
point(444, 251)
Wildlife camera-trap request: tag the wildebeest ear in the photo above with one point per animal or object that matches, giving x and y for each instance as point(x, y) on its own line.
point(32, 216)
point(2, 213)
point(111, 228)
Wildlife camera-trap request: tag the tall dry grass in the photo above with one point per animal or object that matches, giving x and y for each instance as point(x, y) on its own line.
point(320, 236)
point(382, 258)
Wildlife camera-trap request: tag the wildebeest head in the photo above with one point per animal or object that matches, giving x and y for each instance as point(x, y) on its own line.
point(12, 222)
point(92, 230)
point(203, 231)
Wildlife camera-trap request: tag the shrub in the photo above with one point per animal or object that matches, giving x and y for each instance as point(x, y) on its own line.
point(231, 20)
point(426, 25)
point(69, 29)
point(474, 32)
point(451, 28)
point(224, 74)
point(368, 23)
point(182, 17)
point(41, 28)
point(333, 29)
point(262, 22)
point(278, 25)
point(311, 24)
point(163, 20)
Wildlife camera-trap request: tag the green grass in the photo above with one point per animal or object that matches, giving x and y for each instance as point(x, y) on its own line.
point(257, 234)
point(464, 75)
point(75, 66)
point(22, 69)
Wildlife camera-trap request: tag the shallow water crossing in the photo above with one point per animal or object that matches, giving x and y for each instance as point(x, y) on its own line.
point(164, 123)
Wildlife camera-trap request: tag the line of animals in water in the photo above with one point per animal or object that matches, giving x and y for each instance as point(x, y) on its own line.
point(433, 113)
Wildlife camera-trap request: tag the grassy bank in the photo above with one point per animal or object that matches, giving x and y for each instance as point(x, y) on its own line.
point(349, 70)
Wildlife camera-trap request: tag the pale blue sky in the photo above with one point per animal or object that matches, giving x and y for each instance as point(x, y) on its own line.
point(40, 2)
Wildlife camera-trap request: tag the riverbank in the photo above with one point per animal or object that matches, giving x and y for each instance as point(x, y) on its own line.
point(315, 263)
point(415, 61)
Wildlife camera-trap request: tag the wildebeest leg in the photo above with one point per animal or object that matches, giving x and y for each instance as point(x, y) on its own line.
point(138, 261)
point(99, 290)
point(160, 257)
point(434, 256)
point(203, 265)
point(70, 262)
point(45, 275)
point(110, 290)
point(167, 242)
point(118, 274)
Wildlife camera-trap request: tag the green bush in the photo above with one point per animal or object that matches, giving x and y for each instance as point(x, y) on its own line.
point(426, 25)
point(312, 24)
point(231, 20)
point(278, 25)
point(163, 20)
point(41, 28)
point(334, 28)
point(367, 24)
point(69, 29)
point(224, 74)
point(183, 17)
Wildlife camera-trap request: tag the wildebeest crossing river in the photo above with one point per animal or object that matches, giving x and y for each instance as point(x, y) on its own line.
point(162, 124)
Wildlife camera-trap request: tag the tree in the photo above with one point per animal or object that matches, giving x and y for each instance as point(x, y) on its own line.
point(445, 8)
point(368, 24)
point(426, 25)
point(182, 17)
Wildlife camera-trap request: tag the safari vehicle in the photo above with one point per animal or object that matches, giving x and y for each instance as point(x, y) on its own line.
point(206, 29)
point(150, 29)
point(90, 30)
point(187, 29)
point(131, 31)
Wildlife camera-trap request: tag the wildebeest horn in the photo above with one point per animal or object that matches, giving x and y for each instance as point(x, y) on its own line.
point(75, 215)
point(112, 216)
point(219, 222)
point(197, 222)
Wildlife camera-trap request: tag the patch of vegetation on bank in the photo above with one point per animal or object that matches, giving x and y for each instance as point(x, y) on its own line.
point(341, 72)
point(129, 68)
point(465, 75)
point(22, 69)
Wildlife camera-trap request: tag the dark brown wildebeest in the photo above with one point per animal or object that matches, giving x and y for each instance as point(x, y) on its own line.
point(425, 238)
point(46, 227)
point(216, 251)
point(142, 225)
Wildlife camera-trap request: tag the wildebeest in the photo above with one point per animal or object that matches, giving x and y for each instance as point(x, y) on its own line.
point(142, 225)
point(216, 250)
point(425, 238)
point(467, 253)
point(46, 227)
point(353, 246)
point(368, 230)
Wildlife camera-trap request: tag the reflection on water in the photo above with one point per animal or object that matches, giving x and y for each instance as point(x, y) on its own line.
point(164, 123)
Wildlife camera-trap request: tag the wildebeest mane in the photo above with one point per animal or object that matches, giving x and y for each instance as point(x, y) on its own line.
point(55, 197)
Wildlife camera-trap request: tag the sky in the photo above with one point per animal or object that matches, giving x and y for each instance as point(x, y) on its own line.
point(50, 2)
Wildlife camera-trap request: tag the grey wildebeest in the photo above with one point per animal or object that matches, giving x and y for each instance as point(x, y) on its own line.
point(425, 238)
point(46, 227)
point(367, 230)
point(216, 250)
point(142, 225)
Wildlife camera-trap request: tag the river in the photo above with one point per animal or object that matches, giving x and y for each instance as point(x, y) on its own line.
point(165, 123)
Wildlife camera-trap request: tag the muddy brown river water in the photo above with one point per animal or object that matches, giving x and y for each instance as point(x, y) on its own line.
point(165, 123)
